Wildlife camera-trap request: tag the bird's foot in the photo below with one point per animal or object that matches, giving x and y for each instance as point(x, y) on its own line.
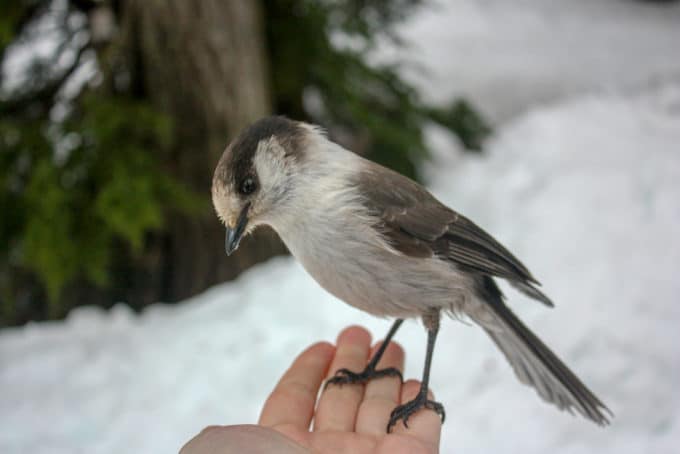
point(347, 377)
point(405, 411)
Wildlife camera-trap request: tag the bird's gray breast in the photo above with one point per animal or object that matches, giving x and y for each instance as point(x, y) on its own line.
point(336, 257)
point(351, 261)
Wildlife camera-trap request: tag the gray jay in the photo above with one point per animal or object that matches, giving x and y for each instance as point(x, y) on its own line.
point(382, 243)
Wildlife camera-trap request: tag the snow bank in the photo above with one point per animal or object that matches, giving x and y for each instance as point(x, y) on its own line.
point(586, 193)
point(508, 56)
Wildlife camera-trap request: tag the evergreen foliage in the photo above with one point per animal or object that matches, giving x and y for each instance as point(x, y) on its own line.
point(70, 189)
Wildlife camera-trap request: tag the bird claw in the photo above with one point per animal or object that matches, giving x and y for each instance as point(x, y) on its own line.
point(405, 411)
point(347, 377)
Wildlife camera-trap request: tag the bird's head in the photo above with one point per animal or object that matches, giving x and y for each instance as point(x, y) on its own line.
point(256, 175)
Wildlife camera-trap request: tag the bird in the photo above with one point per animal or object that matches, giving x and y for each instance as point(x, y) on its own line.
point(384, 244)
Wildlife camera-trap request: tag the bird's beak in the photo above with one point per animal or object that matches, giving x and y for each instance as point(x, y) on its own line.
point(235, 233)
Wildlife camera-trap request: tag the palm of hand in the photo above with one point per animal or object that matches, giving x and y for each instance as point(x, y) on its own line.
point(351, 418)
point(351, 442)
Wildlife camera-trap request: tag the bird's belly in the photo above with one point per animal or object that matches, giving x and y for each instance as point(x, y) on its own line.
point(381, 282)
point(346, 279)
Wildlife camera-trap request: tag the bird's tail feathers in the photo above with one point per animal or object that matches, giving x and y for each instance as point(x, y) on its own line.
point(536, 365)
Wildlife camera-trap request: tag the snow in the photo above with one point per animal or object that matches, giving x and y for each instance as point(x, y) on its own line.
point(584, 188)
point(509, 56)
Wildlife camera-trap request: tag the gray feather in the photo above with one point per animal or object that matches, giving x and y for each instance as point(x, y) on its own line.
point(418, 225)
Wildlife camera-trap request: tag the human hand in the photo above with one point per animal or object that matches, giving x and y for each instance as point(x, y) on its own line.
point(350, 418)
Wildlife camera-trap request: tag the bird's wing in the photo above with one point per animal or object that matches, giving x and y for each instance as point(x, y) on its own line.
point(418, 225)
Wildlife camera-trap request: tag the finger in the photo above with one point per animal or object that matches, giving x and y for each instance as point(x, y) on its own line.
point(338, 405)
point(381, 395)
point(425, 424)
point(293, 398)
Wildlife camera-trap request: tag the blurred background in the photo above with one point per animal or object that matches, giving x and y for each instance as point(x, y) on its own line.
point(554, 125)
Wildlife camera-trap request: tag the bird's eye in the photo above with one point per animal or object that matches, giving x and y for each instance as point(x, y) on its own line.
point(248, 186)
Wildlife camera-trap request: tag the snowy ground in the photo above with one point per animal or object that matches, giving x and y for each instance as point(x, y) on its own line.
point(584, 190)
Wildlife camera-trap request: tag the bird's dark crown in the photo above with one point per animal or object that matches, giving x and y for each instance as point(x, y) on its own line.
point(237, 162)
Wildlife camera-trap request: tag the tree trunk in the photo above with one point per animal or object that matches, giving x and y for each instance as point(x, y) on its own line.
point(203, 63)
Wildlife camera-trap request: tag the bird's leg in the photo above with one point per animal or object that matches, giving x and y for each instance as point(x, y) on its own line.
point(346, 376)
point(404, 411)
